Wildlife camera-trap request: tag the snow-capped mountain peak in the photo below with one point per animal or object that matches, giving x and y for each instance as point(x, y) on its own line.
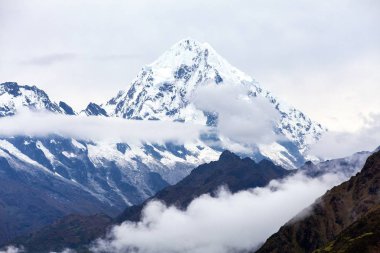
point(15, 97)
point(189, 52)
point(163, 90)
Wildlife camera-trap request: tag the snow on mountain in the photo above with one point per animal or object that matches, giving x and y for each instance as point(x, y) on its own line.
point(14, 97)
point(163, 90)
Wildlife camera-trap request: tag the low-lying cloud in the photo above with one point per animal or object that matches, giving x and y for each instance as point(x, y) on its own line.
point(340, 144)
point(39, 124)
point(241, 118)
point(223, 224)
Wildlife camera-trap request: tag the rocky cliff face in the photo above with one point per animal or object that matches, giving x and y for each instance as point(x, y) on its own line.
point(361, 236)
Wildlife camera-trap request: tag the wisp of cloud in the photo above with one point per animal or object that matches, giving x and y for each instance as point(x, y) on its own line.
point(39, 124)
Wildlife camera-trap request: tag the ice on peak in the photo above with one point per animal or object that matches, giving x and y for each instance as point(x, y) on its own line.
point(162, 89)
point(201, 58)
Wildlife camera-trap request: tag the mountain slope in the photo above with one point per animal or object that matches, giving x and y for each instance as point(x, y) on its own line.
point(229, 170)
point(335, 211)
point(32, 199)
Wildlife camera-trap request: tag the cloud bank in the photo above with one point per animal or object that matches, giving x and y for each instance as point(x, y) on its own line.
point(40, 124)
point(242, 119)
point(340, 144)
point(223, 224)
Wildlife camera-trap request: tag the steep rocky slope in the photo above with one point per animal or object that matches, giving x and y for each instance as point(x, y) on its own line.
point(334, 212)
point(362, 236)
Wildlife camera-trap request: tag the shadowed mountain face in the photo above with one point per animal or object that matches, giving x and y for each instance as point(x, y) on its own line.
point(31, 200)
point(336, 216)
point(230, 171)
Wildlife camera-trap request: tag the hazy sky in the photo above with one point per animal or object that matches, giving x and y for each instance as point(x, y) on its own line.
point(323, 57)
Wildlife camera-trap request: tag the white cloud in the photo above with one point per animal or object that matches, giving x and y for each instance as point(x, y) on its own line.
point(12, 249)
point(340, 144)
point(241, 119)
point(97, 128)
point(226, 223)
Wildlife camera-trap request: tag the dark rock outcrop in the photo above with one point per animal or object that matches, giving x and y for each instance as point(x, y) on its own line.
point(230, 170)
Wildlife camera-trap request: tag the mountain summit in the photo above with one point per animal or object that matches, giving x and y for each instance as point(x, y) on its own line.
point(163, 88)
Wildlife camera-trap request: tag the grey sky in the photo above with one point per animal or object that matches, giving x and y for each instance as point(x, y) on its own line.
point(323, 57)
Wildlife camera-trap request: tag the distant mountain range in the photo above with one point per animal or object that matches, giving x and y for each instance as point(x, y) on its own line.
point(112, 176)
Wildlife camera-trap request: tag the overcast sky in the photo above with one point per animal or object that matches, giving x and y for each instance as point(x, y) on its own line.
point(323, 58)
